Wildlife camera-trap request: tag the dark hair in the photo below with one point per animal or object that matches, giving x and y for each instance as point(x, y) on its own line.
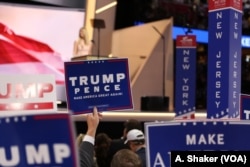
point(126, 158)
point(132, 124)
point(102, 143)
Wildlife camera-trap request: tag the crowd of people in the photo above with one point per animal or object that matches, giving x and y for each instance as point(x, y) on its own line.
point(99, 150)
point(195, 13)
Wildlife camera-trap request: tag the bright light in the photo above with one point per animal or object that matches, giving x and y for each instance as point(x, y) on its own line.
point(106, 7)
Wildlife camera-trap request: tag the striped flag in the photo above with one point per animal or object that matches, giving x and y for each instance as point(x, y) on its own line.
point(24, 55)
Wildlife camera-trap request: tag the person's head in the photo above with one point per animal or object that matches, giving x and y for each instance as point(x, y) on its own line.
point(135, 139)
point(131, 124)
point(83, 34)
point(102, 143)
point(126, 158)
point(102, 139)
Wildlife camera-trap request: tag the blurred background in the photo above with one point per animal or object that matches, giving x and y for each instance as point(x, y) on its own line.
point(189, 15)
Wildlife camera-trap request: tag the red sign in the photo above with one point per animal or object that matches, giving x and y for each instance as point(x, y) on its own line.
point(186, 41)
point(218, 4)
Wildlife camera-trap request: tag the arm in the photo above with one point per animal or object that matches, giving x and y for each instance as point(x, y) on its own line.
point(86, 154)
point(87, 146)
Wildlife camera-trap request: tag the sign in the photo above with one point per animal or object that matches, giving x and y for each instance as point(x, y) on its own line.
point(221, 4)
point(162, 138)
point(245, 107)
point(185, 76)
point(202, 36)
point(27, 93)
point(104, 84)
point(224, 59)
point(41, 140)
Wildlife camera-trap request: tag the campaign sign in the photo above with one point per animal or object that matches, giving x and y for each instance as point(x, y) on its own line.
point(185, 76)
point(224, 59)
point(104, 84)
point(190, 135)
point(27, 93)
point(37, 140)
point(245, 107)
point(220, 4)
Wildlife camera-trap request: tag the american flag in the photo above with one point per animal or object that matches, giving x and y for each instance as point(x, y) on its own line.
point(24, 55)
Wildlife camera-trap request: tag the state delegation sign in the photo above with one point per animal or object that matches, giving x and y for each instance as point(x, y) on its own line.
point(104, 84)
point(201, 135)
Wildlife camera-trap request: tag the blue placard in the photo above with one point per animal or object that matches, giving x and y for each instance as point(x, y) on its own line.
point(162, 138)
point(104, 84)
point(224, 62)
point(245, 107)
point(185, 76)
point(39, 140)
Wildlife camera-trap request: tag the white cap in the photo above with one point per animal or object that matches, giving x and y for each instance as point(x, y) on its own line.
point(134, 134)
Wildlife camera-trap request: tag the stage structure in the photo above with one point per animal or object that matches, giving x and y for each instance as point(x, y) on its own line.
point(98, 24)
point(143, 47)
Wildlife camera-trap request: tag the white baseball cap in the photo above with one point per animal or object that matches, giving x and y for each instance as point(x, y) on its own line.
point(134, 134)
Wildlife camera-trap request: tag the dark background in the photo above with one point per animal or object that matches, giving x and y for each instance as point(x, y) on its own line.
point(190, 14)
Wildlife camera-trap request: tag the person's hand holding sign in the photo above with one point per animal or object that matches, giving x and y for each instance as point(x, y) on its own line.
point(93, 120)
point(87, 145)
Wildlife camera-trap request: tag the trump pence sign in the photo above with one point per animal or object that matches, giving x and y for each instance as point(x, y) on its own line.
point(104, 84)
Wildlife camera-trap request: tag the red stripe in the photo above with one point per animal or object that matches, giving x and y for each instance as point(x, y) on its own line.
point(25, 42)
point(52, 116)
point(192, 116)
point(59, 82)
point(11, 54)
point(25, 106)
point(21, 49)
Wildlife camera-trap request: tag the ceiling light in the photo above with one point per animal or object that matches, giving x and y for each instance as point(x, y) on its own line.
point(102, 9)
